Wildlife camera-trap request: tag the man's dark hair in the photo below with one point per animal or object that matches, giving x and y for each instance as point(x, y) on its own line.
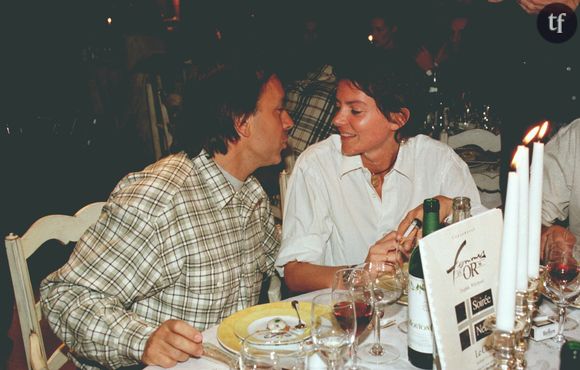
point(388, 84)
point(212, 105)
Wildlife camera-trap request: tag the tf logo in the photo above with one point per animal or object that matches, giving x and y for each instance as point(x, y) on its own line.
point(557, 23)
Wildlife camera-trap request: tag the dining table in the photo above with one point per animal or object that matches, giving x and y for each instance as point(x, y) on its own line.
point(544, 355)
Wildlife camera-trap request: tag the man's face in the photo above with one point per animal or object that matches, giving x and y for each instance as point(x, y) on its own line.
point(363, 128)
point(382, 33)
point(269, 125)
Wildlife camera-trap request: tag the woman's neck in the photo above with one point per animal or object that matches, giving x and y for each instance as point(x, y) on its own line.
point(381, 161)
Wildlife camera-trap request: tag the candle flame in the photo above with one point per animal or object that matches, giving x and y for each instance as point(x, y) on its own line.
point(543, 130)
point(109, 20)
point(515, 159)
point(531, 135)
point(370, 38)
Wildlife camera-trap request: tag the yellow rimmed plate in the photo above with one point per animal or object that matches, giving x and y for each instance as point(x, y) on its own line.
point(242, 323)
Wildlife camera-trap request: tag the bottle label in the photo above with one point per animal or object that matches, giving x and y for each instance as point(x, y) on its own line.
point(420, 336)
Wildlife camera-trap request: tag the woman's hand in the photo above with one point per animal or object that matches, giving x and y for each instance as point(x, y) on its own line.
point(445, 206)
point(385, 249)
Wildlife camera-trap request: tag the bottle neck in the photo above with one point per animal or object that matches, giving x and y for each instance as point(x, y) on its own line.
point(430, 223)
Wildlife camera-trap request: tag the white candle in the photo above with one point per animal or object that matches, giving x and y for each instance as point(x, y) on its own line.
point(506, 300)
point(535, 218)
point(523, 170)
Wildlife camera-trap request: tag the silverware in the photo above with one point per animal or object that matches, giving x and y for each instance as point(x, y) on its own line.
point(215, 353)
point(388, 324)
point(300, 324)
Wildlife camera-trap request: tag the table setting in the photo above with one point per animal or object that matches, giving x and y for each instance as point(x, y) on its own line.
point(540, 355)
point(490, 303)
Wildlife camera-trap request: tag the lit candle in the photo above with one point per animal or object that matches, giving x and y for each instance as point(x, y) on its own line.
point(506, 300)
point(535, 218)
point(523, 170)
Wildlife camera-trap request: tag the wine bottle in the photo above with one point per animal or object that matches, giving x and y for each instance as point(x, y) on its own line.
point(420, 336)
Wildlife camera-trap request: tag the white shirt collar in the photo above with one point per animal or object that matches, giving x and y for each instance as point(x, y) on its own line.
point(403, 164)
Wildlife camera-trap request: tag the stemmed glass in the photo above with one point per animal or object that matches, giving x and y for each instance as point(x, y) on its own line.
point(387, 285)
point(333, 326)
point(562, 283)
point(356, 281)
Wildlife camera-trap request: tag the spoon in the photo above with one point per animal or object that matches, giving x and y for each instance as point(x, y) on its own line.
point(300, 324)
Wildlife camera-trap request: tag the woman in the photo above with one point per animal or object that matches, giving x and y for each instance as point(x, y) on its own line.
point(351, 196)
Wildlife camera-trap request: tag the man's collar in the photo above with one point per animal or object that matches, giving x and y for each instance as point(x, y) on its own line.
point(223, 192)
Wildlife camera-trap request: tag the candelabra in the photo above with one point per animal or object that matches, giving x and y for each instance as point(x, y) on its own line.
point(505, 344)
point(522, 316)
point(533, 297)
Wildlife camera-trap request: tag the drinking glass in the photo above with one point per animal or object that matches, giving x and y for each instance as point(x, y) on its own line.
point(562, 283)
point(387, 285)
point(357, 282)
point(262, 350)
point(333, 326)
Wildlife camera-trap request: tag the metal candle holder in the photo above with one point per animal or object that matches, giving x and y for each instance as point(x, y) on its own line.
point(533, 297)
point(522, 316)
point(504, 344)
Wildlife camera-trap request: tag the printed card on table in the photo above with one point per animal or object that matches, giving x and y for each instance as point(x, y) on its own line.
point(461, 264)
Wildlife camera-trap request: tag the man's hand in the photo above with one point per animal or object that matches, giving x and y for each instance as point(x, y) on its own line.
point(174, 341)
point(385, 249)
point(535, 6)
point(555, 237)
point(424, 59)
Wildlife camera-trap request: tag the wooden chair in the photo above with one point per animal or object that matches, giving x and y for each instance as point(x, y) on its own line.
point(158, 118)
point(274, 292)
point(65, 229)
point(481, 150)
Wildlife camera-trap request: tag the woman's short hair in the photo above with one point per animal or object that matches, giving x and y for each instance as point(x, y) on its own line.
point(389, 84)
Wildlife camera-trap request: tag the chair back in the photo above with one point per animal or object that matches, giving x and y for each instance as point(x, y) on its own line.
point(481, 150)
point(158, 118)
point(64, 229)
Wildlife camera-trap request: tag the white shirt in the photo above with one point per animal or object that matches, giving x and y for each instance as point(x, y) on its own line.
point(561, 190)
point(332, 214)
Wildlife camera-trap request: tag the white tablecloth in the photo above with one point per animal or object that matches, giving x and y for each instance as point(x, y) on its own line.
point(542, 355)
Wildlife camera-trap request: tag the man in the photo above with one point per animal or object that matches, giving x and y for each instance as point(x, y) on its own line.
point(310, 96)
point(182, 244)
point(561, 189)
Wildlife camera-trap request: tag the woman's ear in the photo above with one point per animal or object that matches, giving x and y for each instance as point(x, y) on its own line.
point(243, 125)
point(399, 119)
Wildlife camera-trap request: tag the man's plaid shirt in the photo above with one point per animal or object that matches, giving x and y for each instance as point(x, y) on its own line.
point(173, 242)
point(311, 104)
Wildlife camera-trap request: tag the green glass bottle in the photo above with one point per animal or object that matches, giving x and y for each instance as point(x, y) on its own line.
point(419, 336)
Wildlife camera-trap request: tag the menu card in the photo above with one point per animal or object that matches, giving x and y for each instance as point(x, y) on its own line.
point(461, 264)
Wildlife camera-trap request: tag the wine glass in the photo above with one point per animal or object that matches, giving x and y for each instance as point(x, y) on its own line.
point(561, 282)
point(357, 282)
point(387, 285)
point(333, 326)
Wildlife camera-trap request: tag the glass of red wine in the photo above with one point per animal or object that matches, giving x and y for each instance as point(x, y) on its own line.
point(561, 283)
point(333, 326)
point(356, 281)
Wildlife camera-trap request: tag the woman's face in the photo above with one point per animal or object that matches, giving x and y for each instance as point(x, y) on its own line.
point(363, 128)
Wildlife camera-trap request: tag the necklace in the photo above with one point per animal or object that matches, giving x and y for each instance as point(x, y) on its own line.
point(376, 177)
